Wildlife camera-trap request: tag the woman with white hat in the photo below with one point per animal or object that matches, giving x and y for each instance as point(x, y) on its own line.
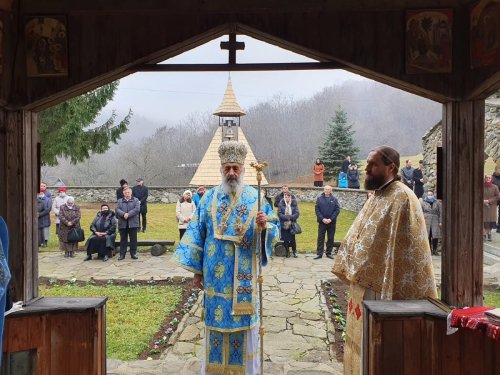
point(184, 211)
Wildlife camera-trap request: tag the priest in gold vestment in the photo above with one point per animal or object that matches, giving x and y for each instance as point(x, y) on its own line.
point(386, 253)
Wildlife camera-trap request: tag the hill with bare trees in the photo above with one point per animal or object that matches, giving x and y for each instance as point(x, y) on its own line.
point(283, 131)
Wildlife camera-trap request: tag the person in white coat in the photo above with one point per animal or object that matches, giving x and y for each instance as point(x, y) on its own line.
point(184, 211)
point(57, 203)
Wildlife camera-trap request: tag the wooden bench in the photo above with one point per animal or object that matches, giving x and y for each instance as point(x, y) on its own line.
point(150, 243)
point(145, 243)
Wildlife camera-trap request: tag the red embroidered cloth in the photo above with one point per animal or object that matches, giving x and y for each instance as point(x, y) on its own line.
point(474, 318)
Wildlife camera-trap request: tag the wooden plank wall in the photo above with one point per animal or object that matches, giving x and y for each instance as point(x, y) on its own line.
point(369, 39)
point(18, 187)
point(420, 346)
point(66, 342)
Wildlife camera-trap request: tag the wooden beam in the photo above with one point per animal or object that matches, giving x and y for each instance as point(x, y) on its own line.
point(97, 7)
point(6, 5)
point(234, 67)
point(463, 153)
point(19, 173)
point(486, 88)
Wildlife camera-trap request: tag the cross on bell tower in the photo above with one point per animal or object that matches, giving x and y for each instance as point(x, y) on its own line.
point(232, 46)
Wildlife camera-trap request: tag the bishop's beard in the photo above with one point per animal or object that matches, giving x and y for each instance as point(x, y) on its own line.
point(232, 184)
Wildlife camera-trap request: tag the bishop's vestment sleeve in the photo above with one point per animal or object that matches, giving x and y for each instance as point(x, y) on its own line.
point(272, 232)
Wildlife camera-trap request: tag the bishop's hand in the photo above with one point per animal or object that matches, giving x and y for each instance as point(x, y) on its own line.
point(261, 219)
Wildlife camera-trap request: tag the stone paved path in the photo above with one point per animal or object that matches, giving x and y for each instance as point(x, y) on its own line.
point(299, 334)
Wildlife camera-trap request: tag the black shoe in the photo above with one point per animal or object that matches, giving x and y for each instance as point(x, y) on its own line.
point(88, 257)
point(330, 256)
point(105, 259)
point(121, 257)
point(134, 256)
point(295, 255)
point(318, 257)
point(143, 230)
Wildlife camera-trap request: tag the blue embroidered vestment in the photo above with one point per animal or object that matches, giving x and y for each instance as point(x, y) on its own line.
point(220, 244)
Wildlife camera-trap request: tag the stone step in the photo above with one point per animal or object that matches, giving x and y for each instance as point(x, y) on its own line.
point(192, 367)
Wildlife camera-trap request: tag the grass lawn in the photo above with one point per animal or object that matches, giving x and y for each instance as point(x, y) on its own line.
point(133, 313)
point(162, 224)
point(492, 298)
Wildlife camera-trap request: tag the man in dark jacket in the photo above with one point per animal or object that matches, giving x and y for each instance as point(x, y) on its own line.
point(127, 211)
point(119, 191)
point(327, 209)
point(407, 174)
point(141, 192)
point(419, 179)
point(345, 164)
point(496, 181)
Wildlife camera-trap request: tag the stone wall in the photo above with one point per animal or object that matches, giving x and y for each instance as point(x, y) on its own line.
point(432, 139)
point(349, 199)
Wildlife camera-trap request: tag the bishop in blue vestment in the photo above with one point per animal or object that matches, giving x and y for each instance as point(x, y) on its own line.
point(220, 248)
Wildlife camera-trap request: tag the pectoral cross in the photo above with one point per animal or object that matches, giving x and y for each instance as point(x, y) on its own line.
point(232, 46)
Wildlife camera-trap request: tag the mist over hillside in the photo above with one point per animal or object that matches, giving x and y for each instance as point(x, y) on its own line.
point(283, 131)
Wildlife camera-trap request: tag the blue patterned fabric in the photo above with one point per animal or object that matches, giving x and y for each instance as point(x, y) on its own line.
point(4, 275)
point(236, 349)
point(216, 352)
point(220, 243)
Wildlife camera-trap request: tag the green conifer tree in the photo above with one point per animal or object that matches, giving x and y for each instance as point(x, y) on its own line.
point(338, 144)
point(68, 129)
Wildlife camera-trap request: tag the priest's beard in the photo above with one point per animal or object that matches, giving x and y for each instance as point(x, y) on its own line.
point(374, 182)
point(232, 184)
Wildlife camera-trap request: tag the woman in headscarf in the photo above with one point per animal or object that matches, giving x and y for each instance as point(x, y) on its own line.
point(432, 215)
point(70, 215)
point(102, 240)
point(490, 198)
point(184, 211)
point(288, 213)
point(353, 176)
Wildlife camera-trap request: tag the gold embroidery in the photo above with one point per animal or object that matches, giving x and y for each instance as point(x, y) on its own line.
point(219, 270)
point(221, 228)
point(229, 249)
point(245, 264)
point(212, 293)
point(219, 314)
point(211, 249)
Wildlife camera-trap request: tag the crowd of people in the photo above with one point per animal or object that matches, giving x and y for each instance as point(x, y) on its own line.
point(348, 169)
point(131, 214)
point(129, 217)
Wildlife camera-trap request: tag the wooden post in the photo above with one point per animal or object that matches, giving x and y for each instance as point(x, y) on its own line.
point(463, 153)
point(18, 188)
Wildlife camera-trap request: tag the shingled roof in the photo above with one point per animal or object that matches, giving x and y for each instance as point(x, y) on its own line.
point(229, 106)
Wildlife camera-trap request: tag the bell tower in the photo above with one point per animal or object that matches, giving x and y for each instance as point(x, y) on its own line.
point(229, 129)
point(229, 113)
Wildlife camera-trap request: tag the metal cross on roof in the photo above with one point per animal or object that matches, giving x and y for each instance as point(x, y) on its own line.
point(232, 46)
